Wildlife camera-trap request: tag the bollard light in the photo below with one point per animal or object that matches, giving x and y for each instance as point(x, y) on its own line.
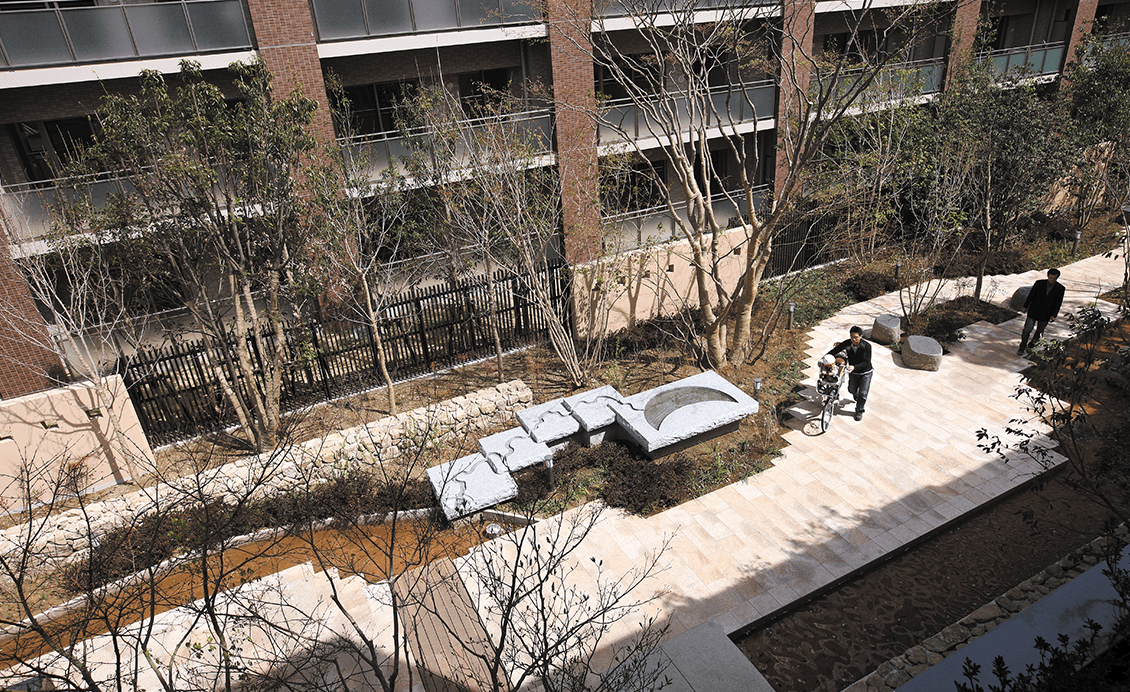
point(898, 268)
point(756, 387)
point(1075, 245)
point(549, 467)
point(792, 313)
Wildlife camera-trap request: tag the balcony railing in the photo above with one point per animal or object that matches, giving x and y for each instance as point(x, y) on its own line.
point(347, 19)
point(1042, 59)
point(729, 105)
point(619, 8)
point(642, 227)
point(375, 153)
point(65, 35)
point(30, 204)
point(893, 83)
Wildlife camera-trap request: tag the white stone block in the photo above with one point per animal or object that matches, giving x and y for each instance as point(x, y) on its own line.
point(549, 422)
point(678, 413)
point(515, 448)
point(469, 484)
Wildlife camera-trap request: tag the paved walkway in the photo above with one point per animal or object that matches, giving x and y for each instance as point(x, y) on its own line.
point(833, 503)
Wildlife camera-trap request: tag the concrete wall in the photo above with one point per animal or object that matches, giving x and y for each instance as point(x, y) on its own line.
point(45, 434)
point(617, 292)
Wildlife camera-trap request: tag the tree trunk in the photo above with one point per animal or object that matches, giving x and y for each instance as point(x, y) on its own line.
point(492, 303)
point(382, 362)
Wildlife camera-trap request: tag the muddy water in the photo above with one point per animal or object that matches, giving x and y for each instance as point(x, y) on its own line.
point(368, 551)
point(837, 639)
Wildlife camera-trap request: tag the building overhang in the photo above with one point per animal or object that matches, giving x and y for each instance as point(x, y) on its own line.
point(101, 72)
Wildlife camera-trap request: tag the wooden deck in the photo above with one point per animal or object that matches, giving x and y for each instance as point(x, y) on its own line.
point(444, 632)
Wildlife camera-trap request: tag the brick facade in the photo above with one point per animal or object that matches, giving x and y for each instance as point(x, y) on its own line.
point(798, 29)
point(26, 366)
point(288, 46)
point(963, 35)
point(1084, 17)
point(576, 132)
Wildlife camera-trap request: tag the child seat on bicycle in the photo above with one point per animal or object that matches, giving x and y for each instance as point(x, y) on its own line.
point(830, 371)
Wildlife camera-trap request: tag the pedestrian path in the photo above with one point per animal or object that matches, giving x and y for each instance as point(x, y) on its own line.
point(836, 502)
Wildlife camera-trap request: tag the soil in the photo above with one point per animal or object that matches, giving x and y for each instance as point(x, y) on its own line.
point(368, 551)
point(840, 637)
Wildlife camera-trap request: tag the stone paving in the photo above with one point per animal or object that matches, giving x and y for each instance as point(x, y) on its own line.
point(837, 501)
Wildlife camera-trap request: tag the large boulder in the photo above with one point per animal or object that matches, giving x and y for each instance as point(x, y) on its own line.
point(922, 353)
point(1018, 298)
point(887, 329)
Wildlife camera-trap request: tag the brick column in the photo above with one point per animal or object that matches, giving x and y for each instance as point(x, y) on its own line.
point(572, 67)
point(963, 35)
point(287, 43)
point(798, 26)
point(1084, 18)
point(25, 364)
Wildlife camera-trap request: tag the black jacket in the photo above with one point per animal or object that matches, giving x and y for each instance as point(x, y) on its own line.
point(859, 360)
point(1043, 306)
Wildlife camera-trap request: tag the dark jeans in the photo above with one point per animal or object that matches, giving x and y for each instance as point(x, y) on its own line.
point(859, 386)
point(1028, 324)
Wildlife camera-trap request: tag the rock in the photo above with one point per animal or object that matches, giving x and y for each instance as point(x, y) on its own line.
point(1007, 604)
point(916, 654)
point(896, 679)
point(977, 631)
point(915, 671)
point(934, 659)
point(1090, 560)
point(987, 612)
point(1015, 594)
point(887, 329)
point(947, 639)
point(922, 353)
point(1018, 298)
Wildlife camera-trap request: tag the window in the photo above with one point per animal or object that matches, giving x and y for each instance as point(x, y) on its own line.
point(45, 146)
point(631, 188)
point(480, 89)
point(641, 70)
point(377, 108)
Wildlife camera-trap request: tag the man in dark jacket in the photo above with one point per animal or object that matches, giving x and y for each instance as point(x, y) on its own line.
point(1043, 302)
point(858, 354)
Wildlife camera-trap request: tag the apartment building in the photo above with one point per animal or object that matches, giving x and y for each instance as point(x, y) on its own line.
point(57, 57)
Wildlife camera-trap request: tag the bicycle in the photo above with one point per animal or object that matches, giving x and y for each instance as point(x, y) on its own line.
point(828, 384)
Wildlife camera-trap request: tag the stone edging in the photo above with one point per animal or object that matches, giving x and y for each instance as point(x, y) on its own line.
point(66, 535)
point(901, 669)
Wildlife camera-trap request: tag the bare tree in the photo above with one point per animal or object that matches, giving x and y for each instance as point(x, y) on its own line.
point(690, 75)
point(502, 204)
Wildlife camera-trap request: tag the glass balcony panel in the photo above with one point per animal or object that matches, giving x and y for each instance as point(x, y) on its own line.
point(1052, 59)
point(33, 38)
point(98, 33)
point(479, 12)
point(519, 11)
point(339, 18)
point(433, 15)
point(764, 100)
point(389, 17)
point(160, 29)
point(219, 25)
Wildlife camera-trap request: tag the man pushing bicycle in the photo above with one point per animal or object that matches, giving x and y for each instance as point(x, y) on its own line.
point(858, 355)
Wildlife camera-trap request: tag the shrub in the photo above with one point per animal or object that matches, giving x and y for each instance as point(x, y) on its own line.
point(1007, 261)
point(868, 284)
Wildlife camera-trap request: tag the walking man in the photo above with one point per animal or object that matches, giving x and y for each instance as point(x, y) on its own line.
point(858, 355)
point(1043, 303)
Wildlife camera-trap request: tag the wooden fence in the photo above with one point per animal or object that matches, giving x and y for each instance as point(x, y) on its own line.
point(177, 394)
